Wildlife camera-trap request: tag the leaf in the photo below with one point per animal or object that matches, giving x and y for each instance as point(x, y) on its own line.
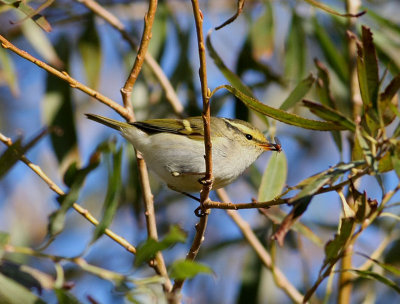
point(296, 48)
point(13, 293)
point(274, 177)
point(4, 240)
point(288, 118)
point(90, 50)
point(76, 180)
point(112, 197)
point(14, 152)
point(262, 33)
point(330, 114)
point(331, 51)
point(233, 79)
point(367, 70)
point(65, 297)
point(58, 111)
point(391, 268)
point(186, 269)
point(276, 215)
point(334, 247)
point(366, 150)
point(330, 10)
point(27, 10)
point(301, 90)
point(147, 250)
point(41, 43)
point(299, 207)
point(377, 277)
point(314, 183)
point(8, 72)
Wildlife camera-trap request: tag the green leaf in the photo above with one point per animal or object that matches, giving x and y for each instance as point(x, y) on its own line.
point(13, 293)
point(301, 90)
point(59, 113)
point(4, 240)
point(65, 297)
point(330, 10)
point(296, 48)
point(331, 51)
point(314, 183)
point(147, 250)
point(233, 79)
point(112, 197)
point(365, 148)
point(288, 118)
point(8, 72)
point(57, 218)
point(274, 177)
point(16, 151)
point(262, 33)
point(367, 70)
point(90, 50)
point(277, 216)
point(185, 269)
point(30, 12)
point(334, 247)
point(330, 114)
point(377, 277)
point(391, 268)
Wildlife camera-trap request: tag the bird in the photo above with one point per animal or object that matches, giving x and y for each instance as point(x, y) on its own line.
point(174, 148)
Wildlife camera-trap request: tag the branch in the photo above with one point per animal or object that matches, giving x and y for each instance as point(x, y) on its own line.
point(170, 94)
point(280, 279)
point(208, 179)
point(64, 76)
point(126, 91)
point(53, 186)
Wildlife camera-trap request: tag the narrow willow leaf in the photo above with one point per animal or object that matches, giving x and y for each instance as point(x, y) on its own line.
point(13, 293)
point(281, 115)
point(371, 66)
point(296, 48)
point(8, 72)
point(28, 11)
point(57, 218)
point(274, 177)
point(391, 268)
point(41, 43)
point(365, 148)
point(299, 207)
point(4, 240)
point(90, 50)
point(58, 111)
point(277, 215)
point(147, 250)
point(233, 79)
point(330, 10)
point(313, 183)
point(185, 269)
point(112, 197)
point(65, 297)
point(331, 51)
point(330, 114)
point(16, 151)
point(335, 246)
point(262, 33)
point(301, 90)
point(377, 277)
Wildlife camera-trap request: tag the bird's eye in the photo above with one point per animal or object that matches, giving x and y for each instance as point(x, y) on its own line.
point(249, 137)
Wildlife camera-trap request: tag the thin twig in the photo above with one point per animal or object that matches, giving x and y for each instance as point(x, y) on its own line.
point(158, 264)
point(64, 76)
point(280, 279)
point(53, 186)
point(208, 179)
point(170, 94)
point(126, 91)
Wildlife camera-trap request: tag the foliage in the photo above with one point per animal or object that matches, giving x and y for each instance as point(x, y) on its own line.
point(325, 81)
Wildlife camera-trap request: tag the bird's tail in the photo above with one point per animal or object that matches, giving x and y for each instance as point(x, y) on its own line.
point(115, 124)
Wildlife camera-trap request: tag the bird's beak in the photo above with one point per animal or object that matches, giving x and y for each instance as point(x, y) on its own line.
point(271, 147)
